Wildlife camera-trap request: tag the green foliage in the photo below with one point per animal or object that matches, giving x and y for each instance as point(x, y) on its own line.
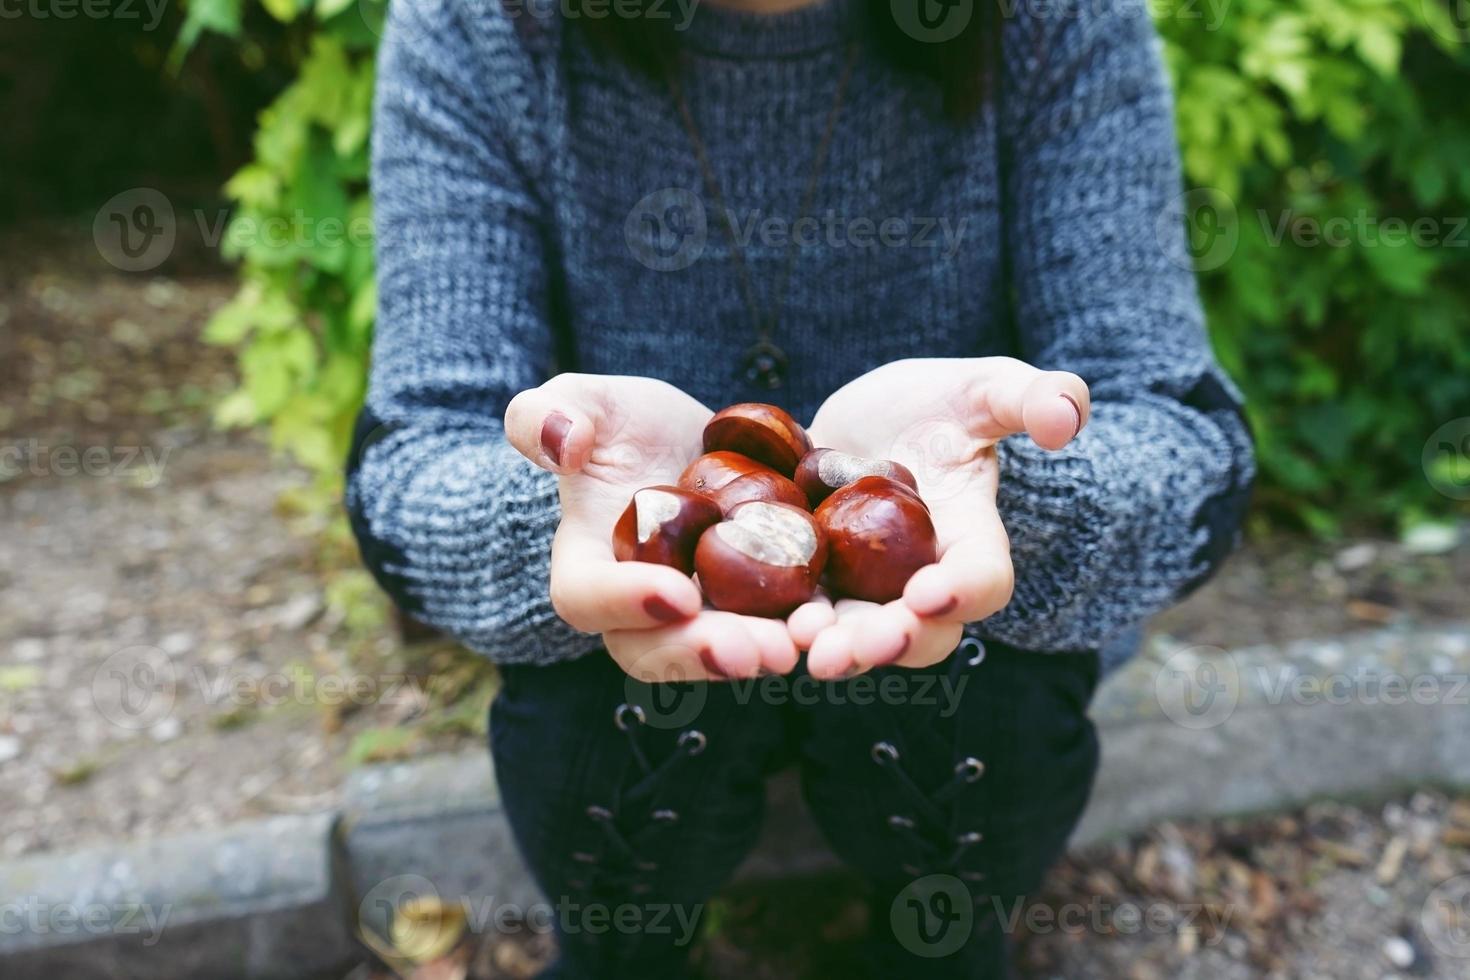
point(1334, 116)
point(302, 232)
point(1334, 136)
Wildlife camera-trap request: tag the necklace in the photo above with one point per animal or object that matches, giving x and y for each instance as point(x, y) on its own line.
point(764, 364)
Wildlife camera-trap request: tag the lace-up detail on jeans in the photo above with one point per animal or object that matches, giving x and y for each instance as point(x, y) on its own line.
point(628, 825)
point(929, 823)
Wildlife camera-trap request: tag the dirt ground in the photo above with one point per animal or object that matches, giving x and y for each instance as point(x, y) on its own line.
point(140, 550)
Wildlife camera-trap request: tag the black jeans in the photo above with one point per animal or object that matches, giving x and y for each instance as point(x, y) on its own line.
point(951, 789)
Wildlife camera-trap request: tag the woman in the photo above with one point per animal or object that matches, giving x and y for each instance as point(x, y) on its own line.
point(694, 207)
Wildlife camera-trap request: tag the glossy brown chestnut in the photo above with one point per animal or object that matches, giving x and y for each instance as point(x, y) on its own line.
point(767, 485)
point(713, 471)
point(764, 559)
point(662, 525)
point(765, 433)
point(822, 471)
point(730, 478)
point(878, 534)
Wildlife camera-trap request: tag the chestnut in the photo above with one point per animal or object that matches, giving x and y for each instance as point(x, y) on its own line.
point(765, 433)
point(764, 559)
point(730, 478)
point(878, 534)
point(822, 471)
point(712, 471)
point(767, 485)
point(662, 525)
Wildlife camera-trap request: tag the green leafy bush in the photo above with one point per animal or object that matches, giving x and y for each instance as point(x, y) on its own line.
point(1310, 128)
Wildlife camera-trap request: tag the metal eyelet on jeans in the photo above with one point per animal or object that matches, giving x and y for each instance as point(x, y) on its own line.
point(974, 651)
point(884, 753)
point(970, 837)
point(620, 716)
point(695, 740)
point(599, 812)
point(666, 816)
point(970, 768)
point(898, 821)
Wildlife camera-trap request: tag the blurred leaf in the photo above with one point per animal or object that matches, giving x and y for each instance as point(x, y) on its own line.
point(13, 680)
point(382, 745)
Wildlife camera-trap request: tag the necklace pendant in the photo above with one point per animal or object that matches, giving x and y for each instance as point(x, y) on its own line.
point(765, 365)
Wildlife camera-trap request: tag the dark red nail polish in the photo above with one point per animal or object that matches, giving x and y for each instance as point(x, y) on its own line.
point(707, 658)
point(554, 436)
point(1077, 409)
point(947, 608)
point(662, 610)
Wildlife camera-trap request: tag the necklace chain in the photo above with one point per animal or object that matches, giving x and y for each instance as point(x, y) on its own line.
point(765, 360)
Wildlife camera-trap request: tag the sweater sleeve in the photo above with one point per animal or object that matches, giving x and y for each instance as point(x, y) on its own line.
point(452, 521)
point(1148, 500)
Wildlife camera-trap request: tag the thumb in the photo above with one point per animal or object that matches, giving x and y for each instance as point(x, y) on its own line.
point(552, 425)
point(1051, 406)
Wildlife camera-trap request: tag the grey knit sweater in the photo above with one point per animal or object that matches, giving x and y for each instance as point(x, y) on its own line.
point(538, 210)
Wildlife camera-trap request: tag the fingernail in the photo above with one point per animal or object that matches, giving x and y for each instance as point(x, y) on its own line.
point(947, 608)
point(1077, 411)
point(662, 610)
point(707, 658)
point(554, 436)
point(902, 649)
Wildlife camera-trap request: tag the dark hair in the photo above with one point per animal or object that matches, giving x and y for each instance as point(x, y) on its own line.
point(960, 65)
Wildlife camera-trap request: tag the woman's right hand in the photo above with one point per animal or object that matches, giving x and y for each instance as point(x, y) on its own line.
point(606, 437)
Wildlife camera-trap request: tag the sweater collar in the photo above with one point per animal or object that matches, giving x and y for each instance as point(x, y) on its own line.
point(739, 34)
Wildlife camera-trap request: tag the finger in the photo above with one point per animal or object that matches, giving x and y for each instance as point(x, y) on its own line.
point(932, 642)
point(713, 646)
point(809, 619)
point(832, 653)
point(553, 426)
point(1050, 406)
point(830, 656)
point(778, 654)
point(595, 593)
point(882, 635)
point(973, 579)
point(892, 635)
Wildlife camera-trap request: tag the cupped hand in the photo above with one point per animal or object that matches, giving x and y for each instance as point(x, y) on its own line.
point(940, 417)
point(606, 437)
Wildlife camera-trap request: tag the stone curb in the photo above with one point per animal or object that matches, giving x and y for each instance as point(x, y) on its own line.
point(1186, 732)
point(261, 900)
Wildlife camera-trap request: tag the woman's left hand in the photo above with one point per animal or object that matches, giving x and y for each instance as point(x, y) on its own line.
point(940, 417)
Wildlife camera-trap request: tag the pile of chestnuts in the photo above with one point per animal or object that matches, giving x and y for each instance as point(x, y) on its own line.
point(762, 519)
